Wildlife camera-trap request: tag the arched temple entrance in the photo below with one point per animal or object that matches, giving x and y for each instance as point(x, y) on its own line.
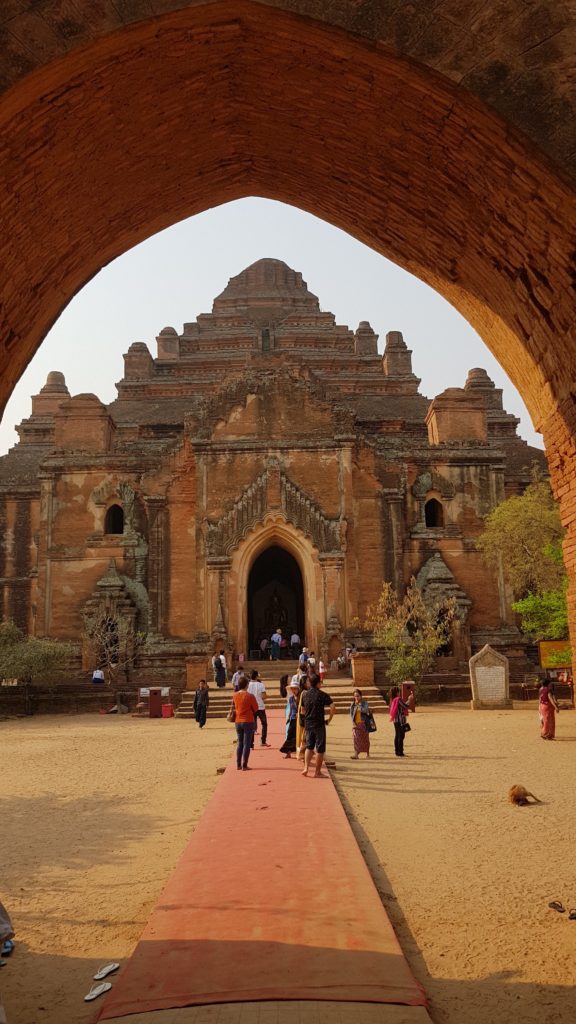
point(275, 596)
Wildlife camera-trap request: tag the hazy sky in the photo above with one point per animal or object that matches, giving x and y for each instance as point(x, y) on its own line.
point(175, 275)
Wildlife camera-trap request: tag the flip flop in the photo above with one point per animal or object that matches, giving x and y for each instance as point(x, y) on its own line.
point(7, 947)
point(556, 905)
point(572, 915)
point(98, 990)
point(104, 971)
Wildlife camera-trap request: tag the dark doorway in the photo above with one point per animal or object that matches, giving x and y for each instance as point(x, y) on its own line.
point(275, 597)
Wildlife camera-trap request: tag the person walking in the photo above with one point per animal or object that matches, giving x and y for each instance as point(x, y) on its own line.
point(547, 708)
point(360, 715)
point(321, 670)
point(201, 701)
point(289, 746)
point(314, 703)
point(399, 711)
point(303, 660)
point(245, 706)
point(276, 640)
point(295, 644)
point(257, 688)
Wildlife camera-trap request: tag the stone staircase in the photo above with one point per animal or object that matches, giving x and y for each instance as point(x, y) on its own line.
point(339, 686)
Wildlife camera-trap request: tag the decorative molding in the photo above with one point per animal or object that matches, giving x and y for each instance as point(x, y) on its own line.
point(432, 481)
point(209, 411)
point(273, 490)
point(437, 583)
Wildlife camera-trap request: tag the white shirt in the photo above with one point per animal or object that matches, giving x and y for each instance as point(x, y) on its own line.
point(294, 639)
point(276, 638)
point(257, 689)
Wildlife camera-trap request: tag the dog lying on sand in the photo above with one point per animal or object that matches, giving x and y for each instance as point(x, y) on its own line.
point(520, 796)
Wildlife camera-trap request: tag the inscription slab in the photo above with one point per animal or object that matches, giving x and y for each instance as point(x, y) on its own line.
point(489, 679)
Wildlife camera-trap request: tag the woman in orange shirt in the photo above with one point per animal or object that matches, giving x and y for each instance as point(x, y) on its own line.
point(245, 706)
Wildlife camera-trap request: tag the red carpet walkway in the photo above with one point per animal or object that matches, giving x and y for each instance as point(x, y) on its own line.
point(271, 900)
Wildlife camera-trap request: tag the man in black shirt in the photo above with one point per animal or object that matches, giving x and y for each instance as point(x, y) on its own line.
point(314, 701)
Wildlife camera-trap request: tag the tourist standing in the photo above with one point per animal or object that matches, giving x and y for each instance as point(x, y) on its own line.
point(399, 711)
point(314, 703)
point(311, 662)
point(360, 715)
point(201, 701)
point(245, 706)
point(303, 660)
point(295, 644)
point(264, 648)
point(239, 672)
point(258, 690)
point(303, 685)
point(276, 640)
point(321, 670)
point(289, 746)
point(219, 666)
point(547, 707)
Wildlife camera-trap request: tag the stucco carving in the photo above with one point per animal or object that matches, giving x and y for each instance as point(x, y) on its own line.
point(273, 490)
point(437, 583)
point(431, 481)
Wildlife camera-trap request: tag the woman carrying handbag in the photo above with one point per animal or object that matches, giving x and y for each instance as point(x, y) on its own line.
point(399, 711)
point(362, 725)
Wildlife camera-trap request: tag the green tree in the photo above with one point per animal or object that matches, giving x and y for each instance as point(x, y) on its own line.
point(544, 616)
point(410, 631)
point(28, 657)
point(523, 537)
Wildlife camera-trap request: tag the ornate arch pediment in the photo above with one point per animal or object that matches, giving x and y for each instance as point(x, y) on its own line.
point(437, 583)
point(432, 481)
point(273, 491)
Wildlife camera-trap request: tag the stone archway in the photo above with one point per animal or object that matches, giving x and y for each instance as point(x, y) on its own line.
point(99, 153)
point(275, 596)
point(275, 532)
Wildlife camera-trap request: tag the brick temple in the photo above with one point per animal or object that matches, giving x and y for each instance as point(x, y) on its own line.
point(267, 468)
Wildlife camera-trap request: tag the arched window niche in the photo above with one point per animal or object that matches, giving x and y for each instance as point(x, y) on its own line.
point(434, 513)
point(114, 521)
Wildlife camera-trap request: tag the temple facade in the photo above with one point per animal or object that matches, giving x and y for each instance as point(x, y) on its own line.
point(267, 468)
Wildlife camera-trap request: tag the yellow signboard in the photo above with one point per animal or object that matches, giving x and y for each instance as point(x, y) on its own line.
point(555, 653)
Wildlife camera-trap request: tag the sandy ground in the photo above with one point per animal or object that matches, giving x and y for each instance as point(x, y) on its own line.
point(95, 811)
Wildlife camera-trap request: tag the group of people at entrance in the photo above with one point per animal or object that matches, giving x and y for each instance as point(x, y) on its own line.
point(309, 710)
point(278, 646)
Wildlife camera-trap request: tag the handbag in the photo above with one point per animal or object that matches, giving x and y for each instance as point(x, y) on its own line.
point(407, 727)
point(231, 716)
point(370, 723)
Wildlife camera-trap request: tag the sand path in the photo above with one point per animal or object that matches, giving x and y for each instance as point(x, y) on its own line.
point(95, 811)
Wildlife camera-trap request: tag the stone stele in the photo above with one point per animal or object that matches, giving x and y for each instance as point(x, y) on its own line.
point(489, 679)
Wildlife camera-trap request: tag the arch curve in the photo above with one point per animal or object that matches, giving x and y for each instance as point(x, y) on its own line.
point(455, 197)
point(275, 530)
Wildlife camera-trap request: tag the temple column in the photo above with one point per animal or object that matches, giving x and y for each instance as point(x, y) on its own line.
point(332, 577)
point(157, 554)
point(393, 539)
point(218, 569)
